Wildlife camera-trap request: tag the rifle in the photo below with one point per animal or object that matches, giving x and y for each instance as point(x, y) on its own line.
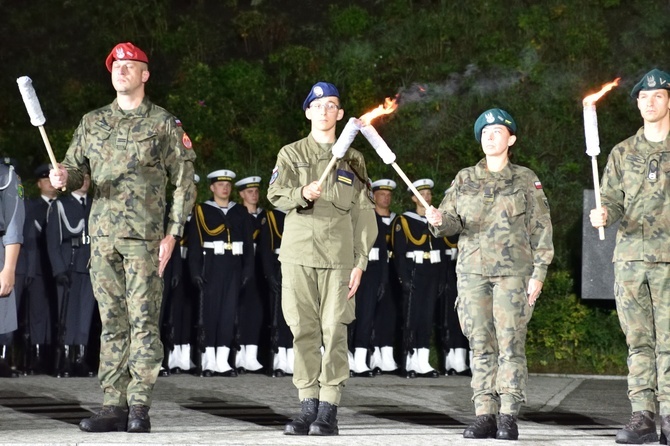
point(26, 328)
point(408, 334)
point(442, 323)
point(275, 308)
point(62, 314)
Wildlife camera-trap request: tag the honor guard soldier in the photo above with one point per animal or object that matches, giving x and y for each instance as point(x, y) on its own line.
point(635, 187)
point(178, 298)
point(373, 288)
point(269, 247)
point(68, 244)
point(251, 310)
point(41, 293)
point(12, 214)
point(221, 260)
point(385, 319)
point(502, 215)
point(417, 256)
point(329, 230)
point(139, 158)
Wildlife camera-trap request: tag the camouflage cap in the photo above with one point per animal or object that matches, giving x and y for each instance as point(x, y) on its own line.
point(491, 117)
point(654, 80)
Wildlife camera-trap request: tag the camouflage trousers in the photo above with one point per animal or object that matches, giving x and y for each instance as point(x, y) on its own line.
point(315, 306)
point(124, 274)
point(642, 293)
point(494, 315)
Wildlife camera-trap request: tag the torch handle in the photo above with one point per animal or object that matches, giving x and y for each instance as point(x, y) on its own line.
point(596, 186)
point(410, 185)
point(50, 151)
point(332, 162)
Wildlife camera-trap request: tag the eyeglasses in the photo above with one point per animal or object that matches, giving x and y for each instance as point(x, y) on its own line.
point(330, 107)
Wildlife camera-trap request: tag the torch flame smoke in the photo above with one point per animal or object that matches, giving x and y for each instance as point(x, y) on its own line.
point(591, 99)
point(388, 107)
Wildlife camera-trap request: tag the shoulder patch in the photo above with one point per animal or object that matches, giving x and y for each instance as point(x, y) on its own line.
point(275, 174)
point(177, 122)
point(19, 187)
point(186, 141)
point(538, 185)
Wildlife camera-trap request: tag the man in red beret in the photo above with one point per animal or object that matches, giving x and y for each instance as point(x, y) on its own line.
point(131, 148)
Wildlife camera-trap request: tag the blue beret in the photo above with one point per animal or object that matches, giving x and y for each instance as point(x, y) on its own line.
point(654, 80)
point(319, 90)
point(491, 117)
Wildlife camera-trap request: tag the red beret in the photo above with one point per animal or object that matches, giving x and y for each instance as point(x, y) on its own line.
point(125, 51)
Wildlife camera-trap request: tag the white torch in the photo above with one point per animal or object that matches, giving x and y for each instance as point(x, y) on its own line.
point(593, 140)
point(341, 146)
point(35, 112)
point(385, 153)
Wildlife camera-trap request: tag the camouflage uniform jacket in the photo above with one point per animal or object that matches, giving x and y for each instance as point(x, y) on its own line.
point(338, 229)
point(130, 156)
point(503, 220)
point(635, 189)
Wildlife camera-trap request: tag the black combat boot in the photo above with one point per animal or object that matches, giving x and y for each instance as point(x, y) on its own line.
point(326, 420)
point(640, 429)
point(107, 419)
point(138, 419)
point(507, 428)
point(483, 427)
point(300, 424)
point(665, 429)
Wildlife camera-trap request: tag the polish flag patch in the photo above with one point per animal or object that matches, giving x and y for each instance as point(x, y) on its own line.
point(538, 185)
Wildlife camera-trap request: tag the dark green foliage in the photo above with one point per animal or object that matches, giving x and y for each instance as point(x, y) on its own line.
point(236, 74)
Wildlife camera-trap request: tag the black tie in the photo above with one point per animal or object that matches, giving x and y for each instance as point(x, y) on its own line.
point(83, 201)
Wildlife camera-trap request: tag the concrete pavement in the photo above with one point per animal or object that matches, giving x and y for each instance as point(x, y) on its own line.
point(252, 410)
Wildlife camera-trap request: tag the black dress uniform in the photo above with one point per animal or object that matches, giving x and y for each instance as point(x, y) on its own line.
point(269, 246)
point(41, 293)
point(417, 257)
point(220, 255)
point(386, 314)
point(251, 310)
point(69, 251)
point(374, 283)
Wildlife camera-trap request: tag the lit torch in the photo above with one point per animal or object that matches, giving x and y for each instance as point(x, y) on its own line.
point(382, 148)
point(592, 139)
point(349, 132)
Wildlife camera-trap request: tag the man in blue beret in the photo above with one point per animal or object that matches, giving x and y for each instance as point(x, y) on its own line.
point(635, 190)
point(328, 232)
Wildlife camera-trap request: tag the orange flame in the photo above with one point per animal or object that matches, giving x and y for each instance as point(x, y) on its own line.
point(591, 99)
point(388, 107)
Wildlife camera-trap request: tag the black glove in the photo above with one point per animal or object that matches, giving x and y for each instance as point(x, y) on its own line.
point(175, 281)
point(199, 282)
point(63, 280)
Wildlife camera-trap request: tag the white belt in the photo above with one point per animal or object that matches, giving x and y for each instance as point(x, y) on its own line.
point(420, 256)
point(374, 255)
point(220, 247)
point(451, 252)
point(184, 251)
point(277, 251)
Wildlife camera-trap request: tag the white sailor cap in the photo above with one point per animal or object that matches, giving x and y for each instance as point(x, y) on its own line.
point(196, 178)
point(424, 183)
point(246, 183)
point(383, 184)
point(221, 175)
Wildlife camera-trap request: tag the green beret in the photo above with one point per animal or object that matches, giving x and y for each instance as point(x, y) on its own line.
point(491, 117)
point(654, 80)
